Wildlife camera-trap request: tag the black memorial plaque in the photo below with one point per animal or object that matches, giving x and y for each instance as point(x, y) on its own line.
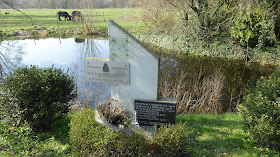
point(155, 112)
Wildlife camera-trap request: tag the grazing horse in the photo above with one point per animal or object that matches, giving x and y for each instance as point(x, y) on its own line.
point(64, 14)
point(77, 14)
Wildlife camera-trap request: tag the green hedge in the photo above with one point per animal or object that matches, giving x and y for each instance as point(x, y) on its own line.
point(88, 138)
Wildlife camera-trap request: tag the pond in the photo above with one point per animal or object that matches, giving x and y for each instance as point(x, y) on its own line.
point(65, 53)
point(193, 80)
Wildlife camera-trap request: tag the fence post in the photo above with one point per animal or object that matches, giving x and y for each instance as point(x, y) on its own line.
point(3, 21)
point(31, 19)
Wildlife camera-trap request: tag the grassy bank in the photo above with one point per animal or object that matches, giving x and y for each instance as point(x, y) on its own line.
point(208, 135)
point(220, 135)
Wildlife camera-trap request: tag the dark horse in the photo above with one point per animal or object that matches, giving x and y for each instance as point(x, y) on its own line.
point(77, 14)
point(64, 14)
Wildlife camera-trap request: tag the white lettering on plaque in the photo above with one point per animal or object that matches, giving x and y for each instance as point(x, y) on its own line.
point(107, 71)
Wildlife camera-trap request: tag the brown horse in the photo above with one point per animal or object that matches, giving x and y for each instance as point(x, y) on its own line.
point(64, 14)
point(78, 15)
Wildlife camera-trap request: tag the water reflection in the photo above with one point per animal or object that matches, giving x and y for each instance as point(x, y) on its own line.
point(68, 54)
point(10, 56)
point(79, 40)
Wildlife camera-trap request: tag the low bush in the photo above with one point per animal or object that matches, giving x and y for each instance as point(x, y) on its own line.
point(170, 141)
point(38, 96)
point(88, 138)
point(261, 110)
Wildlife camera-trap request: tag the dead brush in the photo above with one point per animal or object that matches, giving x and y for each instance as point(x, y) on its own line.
point(114, 113)
point(196, 92)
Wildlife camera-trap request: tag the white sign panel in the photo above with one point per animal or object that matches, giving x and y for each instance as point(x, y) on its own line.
point(107, 71)
point(144, 67)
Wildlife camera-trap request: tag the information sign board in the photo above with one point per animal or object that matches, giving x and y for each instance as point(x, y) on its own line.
point(155, 112)
point(107, 71)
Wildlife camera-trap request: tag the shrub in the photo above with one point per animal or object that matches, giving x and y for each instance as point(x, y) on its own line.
point(254, 27)
point(130, 145)
point(169, 141)
point(35, 95)
point(261, 110)
point(88, 138)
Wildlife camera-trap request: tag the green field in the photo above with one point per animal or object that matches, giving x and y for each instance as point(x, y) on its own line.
point(47, 18)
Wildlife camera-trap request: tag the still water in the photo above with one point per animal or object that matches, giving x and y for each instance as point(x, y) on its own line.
point(68, 54)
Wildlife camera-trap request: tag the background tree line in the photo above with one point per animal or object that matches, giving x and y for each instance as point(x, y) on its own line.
point(65, 4)
point(251, 23)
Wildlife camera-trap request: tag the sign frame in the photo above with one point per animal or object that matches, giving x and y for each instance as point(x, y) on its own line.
point(104, 70)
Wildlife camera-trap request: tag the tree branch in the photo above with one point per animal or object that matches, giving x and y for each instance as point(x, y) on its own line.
point(8, 4)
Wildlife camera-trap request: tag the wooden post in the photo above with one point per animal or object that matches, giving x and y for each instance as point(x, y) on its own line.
point(3, 21)
point(31, 19)
point(94, 19)
point(103, 17)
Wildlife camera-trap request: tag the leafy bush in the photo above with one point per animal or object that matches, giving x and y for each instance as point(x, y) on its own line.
point(35, 95)
point(88, 138)
point(261, 110)
point(253, 27)
point(170, 141)
point(130, 145)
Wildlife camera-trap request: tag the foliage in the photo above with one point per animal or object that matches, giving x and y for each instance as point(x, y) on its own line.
point(207, 135)
point(253, 27)
point(188, 18)
point(23, 141)
point(170, 141)
point(88, 138)
point(38, 96)
point(129, 145)
point(261, 110)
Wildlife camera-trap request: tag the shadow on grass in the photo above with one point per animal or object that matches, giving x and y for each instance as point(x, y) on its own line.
point(219, 135)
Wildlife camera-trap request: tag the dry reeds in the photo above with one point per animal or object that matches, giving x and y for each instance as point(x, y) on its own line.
point(195, 92)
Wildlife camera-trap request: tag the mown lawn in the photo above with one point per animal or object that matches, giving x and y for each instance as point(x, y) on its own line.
point(209, 135)
point(220, 135)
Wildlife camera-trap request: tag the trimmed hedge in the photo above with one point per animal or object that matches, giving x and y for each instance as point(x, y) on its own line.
point(88, 138)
